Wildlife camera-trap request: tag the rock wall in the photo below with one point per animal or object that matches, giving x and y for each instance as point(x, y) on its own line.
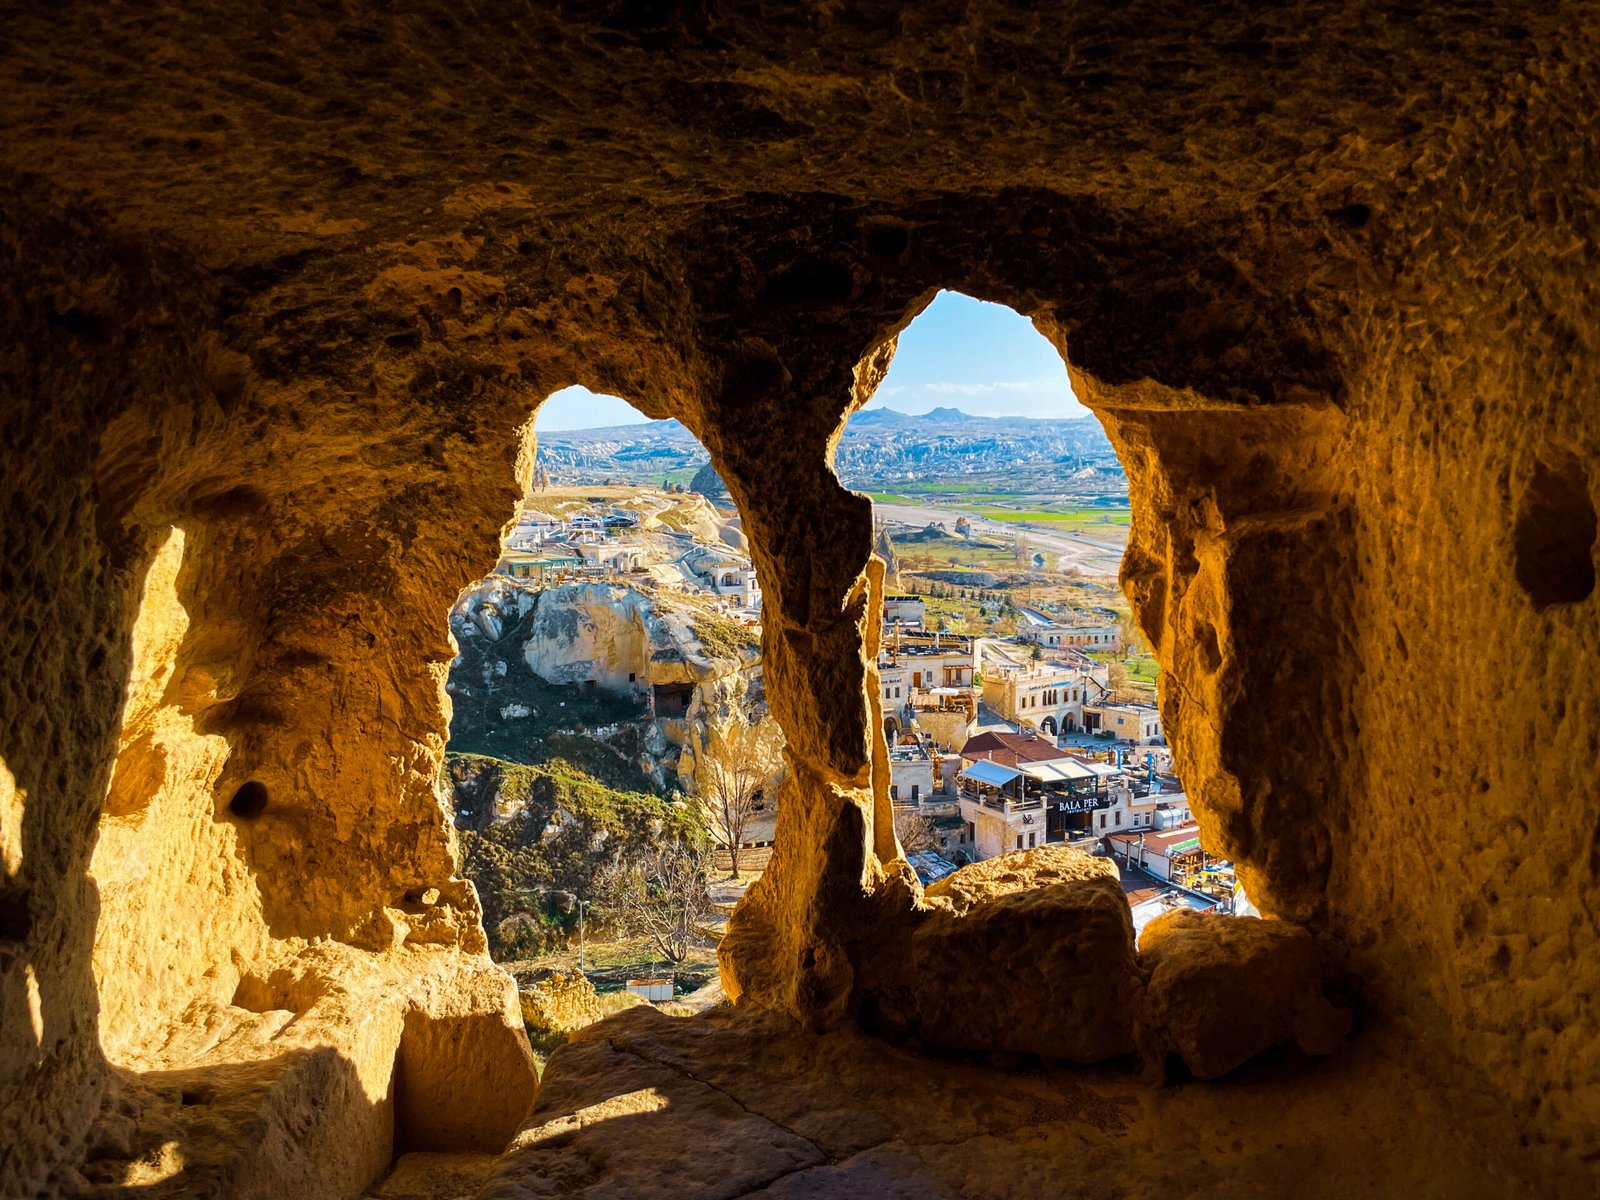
point(555, 1003)
point(582, 637)
point(291, 286)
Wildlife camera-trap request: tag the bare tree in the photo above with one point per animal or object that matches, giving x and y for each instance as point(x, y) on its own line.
point(1131, 635)
point(914, 830)
point(662, 895)
point(972, 618)
point(734, 775)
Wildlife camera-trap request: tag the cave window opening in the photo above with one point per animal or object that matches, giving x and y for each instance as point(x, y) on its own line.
point(611, 759)
point(1001, 511)
point(1554, 535)
point(249, 800)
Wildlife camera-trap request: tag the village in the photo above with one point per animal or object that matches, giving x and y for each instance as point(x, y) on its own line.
point(656, 539)
point(1004, 744)
point(998, 742)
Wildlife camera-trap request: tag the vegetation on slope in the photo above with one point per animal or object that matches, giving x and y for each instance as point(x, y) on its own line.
point(559, 721)
point(723, 638)
point(532, 867)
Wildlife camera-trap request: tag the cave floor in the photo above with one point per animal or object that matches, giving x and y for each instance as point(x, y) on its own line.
point(733, 1104)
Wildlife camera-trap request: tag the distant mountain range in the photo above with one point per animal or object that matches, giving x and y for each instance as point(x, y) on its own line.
point(880, 447)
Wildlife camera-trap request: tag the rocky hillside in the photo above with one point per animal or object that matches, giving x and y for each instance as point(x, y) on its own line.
point(533, 837)
point(660, 513)
point(540, 671)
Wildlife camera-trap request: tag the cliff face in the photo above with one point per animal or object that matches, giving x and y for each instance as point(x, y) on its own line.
point(533, 838)
point(290, 284)
point(539, 670)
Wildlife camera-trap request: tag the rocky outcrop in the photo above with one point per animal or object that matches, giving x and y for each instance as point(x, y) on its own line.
point(534, 837)
point(580, 637)
point(1053, 922)
point(709, 484)
point(1219, 992)
point(555, 1003)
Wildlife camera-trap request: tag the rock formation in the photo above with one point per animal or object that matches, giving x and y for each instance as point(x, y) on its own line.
point(555, 1003)
point(280, 292)
point(709, 484)
point(615, 638)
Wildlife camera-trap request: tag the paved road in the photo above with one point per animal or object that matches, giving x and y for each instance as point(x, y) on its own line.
point(1092, 556)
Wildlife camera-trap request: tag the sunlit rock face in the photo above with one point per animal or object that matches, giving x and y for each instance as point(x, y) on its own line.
point(279, 295)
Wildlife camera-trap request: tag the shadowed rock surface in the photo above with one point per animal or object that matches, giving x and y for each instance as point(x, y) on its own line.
point(281, 287)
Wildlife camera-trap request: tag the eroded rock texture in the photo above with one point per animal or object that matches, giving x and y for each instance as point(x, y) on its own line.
point(281, 286)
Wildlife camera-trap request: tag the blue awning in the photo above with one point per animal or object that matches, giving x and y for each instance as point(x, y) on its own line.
point(991, 773)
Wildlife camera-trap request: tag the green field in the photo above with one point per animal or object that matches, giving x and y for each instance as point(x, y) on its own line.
point(956, 554)
point(1142, 668)
point(1096, 516)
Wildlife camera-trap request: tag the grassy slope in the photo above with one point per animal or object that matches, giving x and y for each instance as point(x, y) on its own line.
point(567, 827)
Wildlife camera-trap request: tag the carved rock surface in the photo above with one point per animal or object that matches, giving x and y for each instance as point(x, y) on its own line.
point(842, 1114)
point(1052, 932)
point(1219, 991)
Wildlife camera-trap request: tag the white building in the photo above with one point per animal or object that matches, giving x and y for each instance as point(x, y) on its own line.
point(1085, 632)
point(724, 574)
point(1047, 696)
point(910, 773)
point(1167, 854)
point(1138, 806)
point(1138, 723)
point(908, 612)
point(1000, 813)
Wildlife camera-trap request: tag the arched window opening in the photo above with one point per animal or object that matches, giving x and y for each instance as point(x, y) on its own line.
point(611, 755)
point(1002, 512)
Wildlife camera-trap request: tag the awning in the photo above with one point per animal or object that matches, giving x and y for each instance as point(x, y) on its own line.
point(991, 773)
point(1050, 772)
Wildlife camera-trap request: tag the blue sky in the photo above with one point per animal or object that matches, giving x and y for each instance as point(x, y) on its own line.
point(959, 353)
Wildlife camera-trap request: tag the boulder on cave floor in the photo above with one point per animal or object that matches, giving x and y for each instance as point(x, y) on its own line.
point(1220, 990)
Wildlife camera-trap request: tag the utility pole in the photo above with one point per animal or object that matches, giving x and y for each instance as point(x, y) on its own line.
point(581, 905)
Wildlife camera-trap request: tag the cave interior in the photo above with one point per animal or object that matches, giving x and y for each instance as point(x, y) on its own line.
point(282, 288)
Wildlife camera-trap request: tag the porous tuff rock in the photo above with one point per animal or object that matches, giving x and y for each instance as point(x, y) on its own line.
point(846, 1115)
point(319, 1067)
point(1218, 992)
point(558, 1002)
point(293, 283)
point(1052, 922)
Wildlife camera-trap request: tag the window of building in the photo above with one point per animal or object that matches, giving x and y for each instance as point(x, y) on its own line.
point(894, 791)
point(915, 788)
point(1030, 841)
point(1019, 841)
